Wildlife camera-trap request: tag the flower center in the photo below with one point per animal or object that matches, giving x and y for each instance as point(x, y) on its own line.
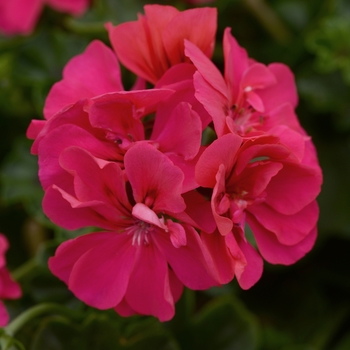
point(141, 231)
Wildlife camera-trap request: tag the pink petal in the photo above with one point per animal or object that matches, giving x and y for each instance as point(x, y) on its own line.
point(284, 91)
point(221, 151)
point(190, 263)
point(117, 118)
point(18, 16)
point(10, 289)
point(161, 183)
point(76, 7)
point(66, 211)
point(177, 234)
point(257, 76)
point(206, 68)
point(144, 101)
point(220, 212)
point(4, 316)
point(51, 146)
point(180, 79)
point(182, 133)
point(223, 262)
point(236, 63)
point(216, 104)
point(198, 212)
point(92, 183)
point(100, 276)
point(149, 291)
point(276, 253)
point(35, 128)
point(289, 229)
point(94, 72)
point(291, 180)
point(181, 27)
point(253, 270)
point(145, 214)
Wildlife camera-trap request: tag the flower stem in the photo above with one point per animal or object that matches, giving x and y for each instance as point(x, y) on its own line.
point(24, 270)
point(270, 20)
point(13, 327)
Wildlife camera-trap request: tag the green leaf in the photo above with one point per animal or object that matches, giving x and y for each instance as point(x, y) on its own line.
point(223, 324)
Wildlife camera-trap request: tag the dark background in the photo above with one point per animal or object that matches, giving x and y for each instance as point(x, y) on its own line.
point(301, 307)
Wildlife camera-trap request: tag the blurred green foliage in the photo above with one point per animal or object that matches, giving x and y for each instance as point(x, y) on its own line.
point(302, 307)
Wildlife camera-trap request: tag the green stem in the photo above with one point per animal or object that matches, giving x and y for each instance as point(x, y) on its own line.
point(13, 327)
point(24, 270)
point(269, 19)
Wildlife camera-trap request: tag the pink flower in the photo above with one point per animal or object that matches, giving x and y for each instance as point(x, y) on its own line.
point(109, 125)
point(140, 264)
point(250, 97)
point(9, 289)
point(154, 43)
point(20, 16)
point(260, 184)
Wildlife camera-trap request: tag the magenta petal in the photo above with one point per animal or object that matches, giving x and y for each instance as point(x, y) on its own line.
point(182, 133)
point(149, 291)
point(177, 234)
point(124, 309)
point(160, 185)
point(76, 7)
point(181, 27)
point(100, 276)
point(206, 68)
point(145, 214)
point(214, 102)
point(9, 289)
point(66, 211)
point(4, 316)
point(276, 253)
point(198, 212)
point(284, 91)
point(236, 63)
point(292, 179)
point(257, 76)
point(144, 101)
point(253, 270)
point(34, 128)
point(94, 72)
point(220, 204)
point(68, 253)
point(221, 151)
point(19, 17)
point(118, 119)
point(52, 145)
point(289, 229)
point(190, 263)
point(223, 262)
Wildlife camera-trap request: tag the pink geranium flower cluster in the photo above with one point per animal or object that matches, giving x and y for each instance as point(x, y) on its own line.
point(21, 16)
point(172, 209)
point(9, 289)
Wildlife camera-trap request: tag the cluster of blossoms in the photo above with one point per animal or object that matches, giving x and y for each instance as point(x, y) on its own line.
point(173, 209)
point(21, 16)
point(9, 289)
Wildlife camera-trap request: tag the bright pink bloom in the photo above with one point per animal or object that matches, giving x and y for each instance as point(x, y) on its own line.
point(258, 183)
point(9, 289)
point(20, 16)
point(109, 125)
point(94, 72)
point(154, 43)
point(140, 264)
point(250, 97)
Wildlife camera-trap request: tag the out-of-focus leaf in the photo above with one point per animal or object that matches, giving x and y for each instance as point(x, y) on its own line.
point(222, 324)
point(20, 180)
point(331, 44)
point(57, 333)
